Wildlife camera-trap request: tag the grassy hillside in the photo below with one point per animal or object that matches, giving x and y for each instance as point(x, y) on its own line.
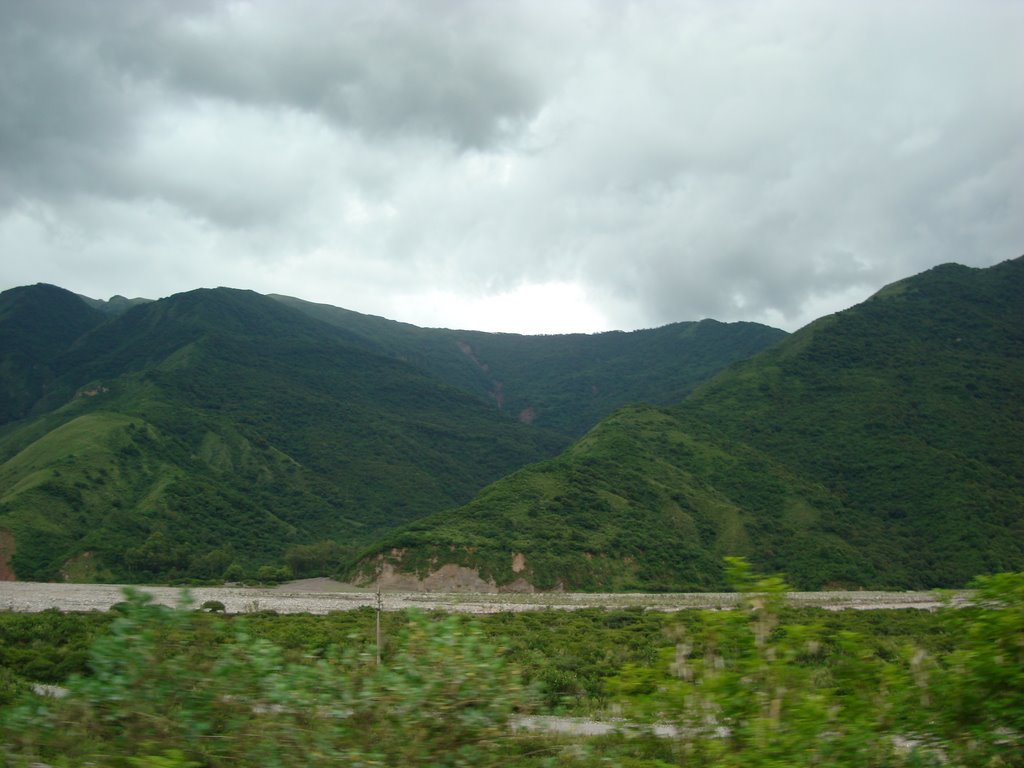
point(568, 382)
point(883, 446)
point(216, 430)
point(107, 495)
point(638, 503)
point(217, 427)
point(908, 410)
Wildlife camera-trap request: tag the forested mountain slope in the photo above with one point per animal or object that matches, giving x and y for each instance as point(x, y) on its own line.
point(37, 324)
point(153, 440)
point(880, 447)
point(220, 426)
point(561, 382)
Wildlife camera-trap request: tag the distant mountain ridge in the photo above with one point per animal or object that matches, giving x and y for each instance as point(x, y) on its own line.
point(564, 382)
point(882, 446)
point(115, 305)
point(38, 323)
point(219, 429)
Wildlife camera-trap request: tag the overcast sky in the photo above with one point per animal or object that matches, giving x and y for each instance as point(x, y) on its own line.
point(546, 166)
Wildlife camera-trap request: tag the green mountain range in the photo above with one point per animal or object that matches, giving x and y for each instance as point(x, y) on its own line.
point(882, 446)
point(218, 431)
point(566, 382)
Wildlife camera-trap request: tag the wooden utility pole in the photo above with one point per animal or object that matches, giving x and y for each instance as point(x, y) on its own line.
point(380, 607)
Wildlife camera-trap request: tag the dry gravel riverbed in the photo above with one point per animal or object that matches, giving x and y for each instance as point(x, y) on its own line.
point(320, 596)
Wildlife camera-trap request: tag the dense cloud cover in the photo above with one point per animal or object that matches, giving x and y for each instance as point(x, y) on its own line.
point(528, 166)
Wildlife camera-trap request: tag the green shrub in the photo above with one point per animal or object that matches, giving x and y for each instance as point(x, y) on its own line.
point(11, 686)
point(745, 688)
point(765, 685)
point(273, 574)
point(180, 687)
point(972, 698)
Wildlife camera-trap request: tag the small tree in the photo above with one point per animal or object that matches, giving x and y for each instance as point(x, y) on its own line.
point(273, 574)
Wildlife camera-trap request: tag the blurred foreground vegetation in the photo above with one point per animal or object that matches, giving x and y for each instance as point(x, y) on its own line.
point(766, 685)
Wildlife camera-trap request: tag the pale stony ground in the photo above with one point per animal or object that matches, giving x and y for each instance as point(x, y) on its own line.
point(320, 596)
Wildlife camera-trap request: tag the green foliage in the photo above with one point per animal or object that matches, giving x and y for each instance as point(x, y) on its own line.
point(568, 655)
point(972, 698)
point(221, 427)
point(320, 559)
point(273, 574)
point(11, 686)
point(171, 439)
point(175, 687)
point(568, 382)
point(37, 324)
point(766, 684)
point(749, 688)
point(46, 647)
point(768, 705)
point(637, 504)
point(880, 447)
point(905, 411)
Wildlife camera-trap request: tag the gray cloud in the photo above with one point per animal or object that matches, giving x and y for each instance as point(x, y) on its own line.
point(379, 68)
point(770, 161)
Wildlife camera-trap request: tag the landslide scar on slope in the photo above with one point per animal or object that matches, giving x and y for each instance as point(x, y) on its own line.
point(446, 578)
point(498, 392)
point(518, 562)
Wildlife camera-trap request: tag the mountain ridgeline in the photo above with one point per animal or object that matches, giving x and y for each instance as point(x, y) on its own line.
point(214, 431)
point(567, 382)
point(878, 447)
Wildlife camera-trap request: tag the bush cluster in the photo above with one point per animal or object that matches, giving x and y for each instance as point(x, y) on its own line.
point(765, 685)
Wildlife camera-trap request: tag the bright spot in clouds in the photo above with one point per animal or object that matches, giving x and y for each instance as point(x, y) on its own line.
point(520, 166)
point(556, 307)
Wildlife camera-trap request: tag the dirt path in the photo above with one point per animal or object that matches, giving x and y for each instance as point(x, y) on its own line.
point(319, 596)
